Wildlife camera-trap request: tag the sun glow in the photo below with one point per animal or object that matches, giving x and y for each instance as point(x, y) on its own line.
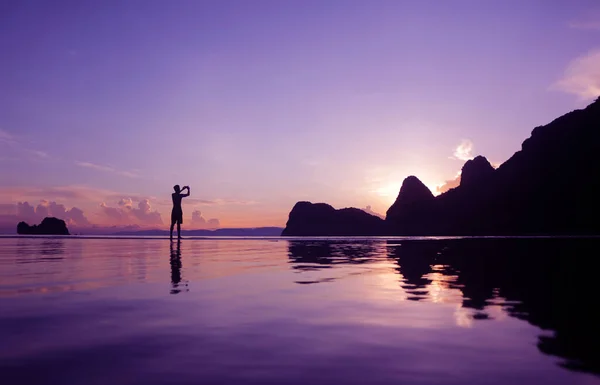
point(389, 190)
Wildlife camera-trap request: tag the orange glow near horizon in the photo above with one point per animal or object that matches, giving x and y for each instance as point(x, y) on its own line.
point(379, 193)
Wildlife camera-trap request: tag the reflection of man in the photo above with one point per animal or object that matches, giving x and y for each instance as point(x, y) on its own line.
point(175, 267)
point(177, 212)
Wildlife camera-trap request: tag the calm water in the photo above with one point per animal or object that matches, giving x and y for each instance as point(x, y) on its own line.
point(262, 311)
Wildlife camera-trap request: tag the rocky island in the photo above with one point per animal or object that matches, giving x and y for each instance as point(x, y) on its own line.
point(320, 219)
point(549, 187)
point(49, 226)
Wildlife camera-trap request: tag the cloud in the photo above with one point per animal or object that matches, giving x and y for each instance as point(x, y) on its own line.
point(132, 208)
point(449, 184)
point(64, 192)
point(126, 202)
point(76, 215)
point(590, 24)
point(8, 209)
point(57, 193)
point(198, 221)
point(145, 214)
point(23, 211)
point(108, 169)
point(464, 151)
point(582, 77)
point(40, 154)
point(6, 137)
point(216, 202)
point(588, 21)
point(116, 214)
point(26, 211)
point(126, 214)
point(213, 223)
point(13, 141)
point(368, 210)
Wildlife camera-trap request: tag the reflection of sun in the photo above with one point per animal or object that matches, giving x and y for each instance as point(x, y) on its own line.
point(436, 290)
point(439, 288)
point(462, 317)
point(386, 285)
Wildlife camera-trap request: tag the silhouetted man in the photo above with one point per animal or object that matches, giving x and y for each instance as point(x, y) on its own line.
point(177, 212)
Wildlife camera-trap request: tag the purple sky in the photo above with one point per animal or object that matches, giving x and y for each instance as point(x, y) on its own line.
point(259, 104)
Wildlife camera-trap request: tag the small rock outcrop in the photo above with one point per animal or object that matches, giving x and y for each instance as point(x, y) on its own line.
point(49, 226)
point(321, 219)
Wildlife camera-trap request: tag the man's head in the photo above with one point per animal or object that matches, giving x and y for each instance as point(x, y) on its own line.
point(177, 188)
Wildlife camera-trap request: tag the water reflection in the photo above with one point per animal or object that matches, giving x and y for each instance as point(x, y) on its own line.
point(265, 299)
point(549, 283)
point(310, 255)
point(315, 255)
point(53, 248)
point(47, 251)
point(414, 265)
point(175, 260)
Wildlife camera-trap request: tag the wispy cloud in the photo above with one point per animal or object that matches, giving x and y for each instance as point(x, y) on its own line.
point(79, 193)
point(464, 151)
point(13, 141)
point(39, 154)
point(218, 202)
point(582, 77)
point(6, 137)
point(588, 21)
point(590, 24)
point(108, 169)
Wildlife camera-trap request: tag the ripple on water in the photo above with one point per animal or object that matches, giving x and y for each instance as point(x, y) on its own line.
point(423, 311)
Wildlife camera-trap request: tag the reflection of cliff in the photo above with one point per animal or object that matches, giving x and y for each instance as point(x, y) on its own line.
point(311, 255)
point(552, 280)
point(414, 263)
point(546, 282)
point(52, 248)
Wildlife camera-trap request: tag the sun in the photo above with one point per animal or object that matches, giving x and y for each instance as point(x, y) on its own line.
point(389, 190)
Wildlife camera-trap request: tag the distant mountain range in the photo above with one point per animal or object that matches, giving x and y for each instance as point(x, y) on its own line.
point(550, 187)
point(232, 232)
